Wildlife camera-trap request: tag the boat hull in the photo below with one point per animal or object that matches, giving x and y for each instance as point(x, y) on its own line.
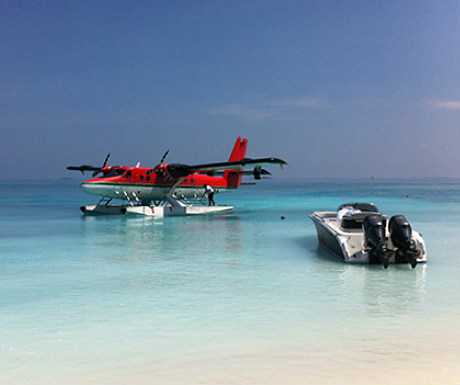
point(348, 246)
point(329, 241)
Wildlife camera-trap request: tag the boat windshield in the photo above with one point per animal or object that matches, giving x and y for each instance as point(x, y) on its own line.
point(361, 206)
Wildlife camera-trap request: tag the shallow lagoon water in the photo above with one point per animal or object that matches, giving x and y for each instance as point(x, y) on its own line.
point(240, 298)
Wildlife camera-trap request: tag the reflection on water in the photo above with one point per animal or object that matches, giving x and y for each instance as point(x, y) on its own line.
point(392, 292)
point(164, 238)
point(371, 290)
point(168, 247)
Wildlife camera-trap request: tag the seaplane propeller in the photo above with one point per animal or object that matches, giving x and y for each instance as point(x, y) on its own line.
point(103, 165)
point(258, 171)
point(106, 159)
point(164, 156)
point(157, 167)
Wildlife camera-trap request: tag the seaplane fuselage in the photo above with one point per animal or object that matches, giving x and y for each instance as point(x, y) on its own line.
point(147, 184)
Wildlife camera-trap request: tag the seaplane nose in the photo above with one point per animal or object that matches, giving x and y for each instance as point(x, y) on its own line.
point(96, 188)
point(89, 188)
point(84, 187)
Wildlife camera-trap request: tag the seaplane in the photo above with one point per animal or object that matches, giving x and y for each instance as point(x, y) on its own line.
point(169, 189)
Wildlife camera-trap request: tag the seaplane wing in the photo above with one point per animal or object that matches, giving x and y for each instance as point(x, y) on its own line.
point(83, 168)
point(177, 170)
point(236, 165)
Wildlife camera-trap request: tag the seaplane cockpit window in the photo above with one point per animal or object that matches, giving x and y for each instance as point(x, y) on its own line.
point(128, 175)
point(114, 172)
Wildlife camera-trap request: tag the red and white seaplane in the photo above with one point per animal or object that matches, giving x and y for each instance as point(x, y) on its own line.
point(168, 188)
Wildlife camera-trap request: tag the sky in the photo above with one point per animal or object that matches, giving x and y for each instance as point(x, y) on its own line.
point(338, 89)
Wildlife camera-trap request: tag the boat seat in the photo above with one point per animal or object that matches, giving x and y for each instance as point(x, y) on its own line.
point(355, 221)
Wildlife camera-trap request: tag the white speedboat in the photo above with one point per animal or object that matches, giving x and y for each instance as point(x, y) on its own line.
point(359, 233)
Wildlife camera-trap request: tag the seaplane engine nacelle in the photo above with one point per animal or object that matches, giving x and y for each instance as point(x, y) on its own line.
point(374, 233)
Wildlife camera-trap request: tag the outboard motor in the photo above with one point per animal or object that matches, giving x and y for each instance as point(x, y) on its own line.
point(374, 234)
point(401, 237)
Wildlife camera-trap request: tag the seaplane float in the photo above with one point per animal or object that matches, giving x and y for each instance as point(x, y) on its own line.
point(169, 189)
point(359, 233)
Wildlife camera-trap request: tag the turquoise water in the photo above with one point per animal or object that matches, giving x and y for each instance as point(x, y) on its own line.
point(241, 298)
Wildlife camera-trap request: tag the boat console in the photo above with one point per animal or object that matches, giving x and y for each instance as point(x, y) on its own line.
point(356, 220)
point(351, 215)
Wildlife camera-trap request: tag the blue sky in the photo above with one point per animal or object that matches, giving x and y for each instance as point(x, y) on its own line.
point(336, 88)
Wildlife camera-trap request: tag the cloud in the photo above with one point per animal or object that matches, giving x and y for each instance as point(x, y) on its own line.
point(309, 103)
point(257, 111)
point(440, 105)
point(244, 112)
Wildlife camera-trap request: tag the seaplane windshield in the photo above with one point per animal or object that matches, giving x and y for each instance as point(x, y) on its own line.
point(114, 172)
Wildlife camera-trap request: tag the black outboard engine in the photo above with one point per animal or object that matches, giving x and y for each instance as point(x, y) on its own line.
point(401, 237)
point(374, 233)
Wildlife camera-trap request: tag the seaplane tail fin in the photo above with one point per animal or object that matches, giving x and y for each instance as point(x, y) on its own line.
point(239, 150)
point(238, 153)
